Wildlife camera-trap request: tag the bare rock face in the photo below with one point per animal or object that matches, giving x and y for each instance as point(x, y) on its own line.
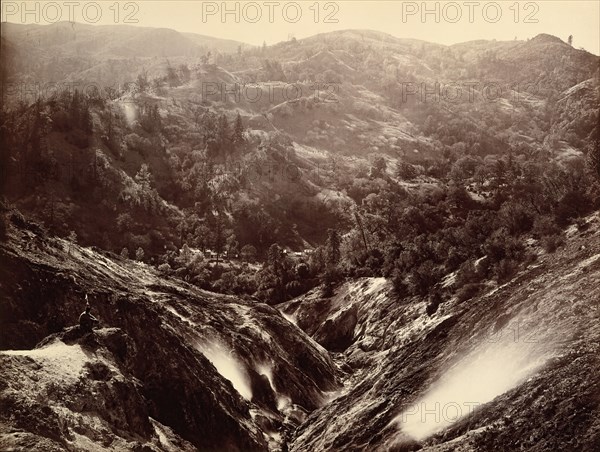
point(523, 352)
point(337, 333)
point(50, 390)
point(177, 368)
point(171, 368)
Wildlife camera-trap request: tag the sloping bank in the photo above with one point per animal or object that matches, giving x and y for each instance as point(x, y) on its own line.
point(177, 368)
point(513, 369)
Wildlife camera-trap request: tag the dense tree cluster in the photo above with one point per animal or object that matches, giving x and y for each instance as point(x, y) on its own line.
point(474, 220)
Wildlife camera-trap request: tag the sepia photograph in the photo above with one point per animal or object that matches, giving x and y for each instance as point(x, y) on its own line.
point(300, 226)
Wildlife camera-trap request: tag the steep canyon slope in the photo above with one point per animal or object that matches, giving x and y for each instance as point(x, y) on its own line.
point(177, 368)
point(173, 365)
point(511, 369)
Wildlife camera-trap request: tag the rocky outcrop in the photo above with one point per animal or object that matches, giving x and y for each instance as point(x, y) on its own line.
point(521, 352)
point(337, 333)
point(73, 389)
point(177, 368)
point(217, 372)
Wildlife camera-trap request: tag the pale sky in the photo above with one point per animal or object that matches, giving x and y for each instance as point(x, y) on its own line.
point(274, 21)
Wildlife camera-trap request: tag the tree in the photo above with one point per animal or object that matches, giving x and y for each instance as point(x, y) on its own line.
point(274, 258)
point(570, 40)
point(144, 177)
point(238, 131)
point(276, 272)
point(150, 118)
point(223, 133)
point(333, 247)
point(185, 253)
point(429, 125)
point(232, 245)
point(218, 234)
point(406, 171)
point(330, 77)
point(273, 71)
point(378, 167)
point(248, 253)
point(3, 228)
point(172, 76)
point(210, 135)
point(124, 222)
point(139, 254)
point(142, 81)
point(593, 158)
point(329, 278)
point(75, 106)
point(72, 238)
point(359, 226)
point(185, 72)
point(202, 236)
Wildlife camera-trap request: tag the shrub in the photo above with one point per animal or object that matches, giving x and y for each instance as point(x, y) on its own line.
point(139, 254)
point(550, 243)
point(374, 261)
point(293, 288)
point(3, 228)
point(470, 273)
point(330, 277)
point(435, 299)
point(469, 291)
point(423, 278)
point(248, 253)
point(18, 219)
point(406, 171)
point(516, 218)
point(164, 268)
point(545, 226)
point(431, 309)
point(302, 271)
point(582, 224)
point(139, 144)
point(398, 283)
point(506, 269)
point(228, 283)
point(571, 206)
point(363, 272)
point(500, 246)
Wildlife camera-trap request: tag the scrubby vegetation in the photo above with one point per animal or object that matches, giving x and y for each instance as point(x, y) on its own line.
point(228, 194)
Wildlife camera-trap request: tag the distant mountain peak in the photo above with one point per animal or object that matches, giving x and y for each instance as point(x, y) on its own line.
point(544, 37)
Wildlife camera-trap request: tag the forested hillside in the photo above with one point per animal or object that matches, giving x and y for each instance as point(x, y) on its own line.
point(296, 246)
point(344, 154)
